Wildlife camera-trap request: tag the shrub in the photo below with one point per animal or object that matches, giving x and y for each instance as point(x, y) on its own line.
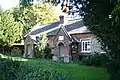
point(113, 68)
point(96, 60)
point(40, 72)
point(47, 51)
point(8, 69)
point(16, 52)
point(15, 70)
point(41, 44)
point(39, 54)
point(44, 53)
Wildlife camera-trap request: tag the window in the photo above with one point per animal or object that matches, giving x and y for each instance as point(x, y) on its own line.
point(61, 37)
point(37, 38)
point(86, 45)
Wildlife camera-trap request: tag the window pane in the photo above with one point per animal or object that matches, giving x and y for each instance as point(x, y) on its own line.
point(61, 37)
point(85, 46)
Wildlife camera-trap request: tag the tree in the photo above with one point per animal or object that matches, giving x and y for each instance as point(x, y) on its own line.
point(9, 29)
point(45, 13)
point(24, 16)
point(41, 45)
point(103, 18)
point(24, 3)
point(33, 14)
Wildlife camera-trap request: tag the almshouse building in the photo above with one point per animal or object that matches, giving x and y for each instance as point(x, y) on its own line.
point(68, 40)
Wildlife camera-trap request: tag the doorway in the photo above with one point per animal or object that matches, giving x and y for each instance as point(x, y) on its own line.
point(61, 49)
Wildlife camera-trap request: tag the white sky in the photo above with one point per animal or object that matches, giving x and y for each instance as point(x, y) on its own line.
point(7, 4)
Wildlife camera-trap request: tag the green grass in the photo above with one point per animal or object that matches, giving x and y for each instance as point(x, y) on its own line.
point(76, 71)
point(13, 58)
point(81, 72)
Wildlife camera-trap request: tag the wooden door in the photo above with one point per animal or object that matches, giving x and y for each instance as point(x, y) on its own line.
point(61, 49)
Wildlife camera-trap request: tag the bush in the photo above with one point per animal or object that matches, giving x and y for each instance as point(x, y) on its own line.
point(16, 52)
point(8, 69)
point(40, 72)
point(15, 70)
point(47, 51)
point(39, 54)
point(41, 45)
point(113, 68)
point(44, 53)
point(96, 60)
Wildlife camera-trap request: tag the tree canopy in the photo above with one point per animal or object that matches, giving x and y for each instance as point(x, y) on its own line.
point(102, 17)
point(16, 22)
point(9, 29)
point(33, 14)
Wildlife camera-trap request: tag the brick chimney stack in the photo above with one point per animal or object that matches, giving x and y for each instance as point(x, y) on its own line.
point(61, 17)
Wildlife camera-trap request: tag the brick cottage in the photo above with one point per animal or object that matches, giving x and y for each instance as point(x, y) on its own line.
point(69, 41)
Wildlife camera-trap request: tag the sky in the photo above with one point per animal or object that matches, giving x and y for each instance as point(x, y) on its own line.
point(7, 4)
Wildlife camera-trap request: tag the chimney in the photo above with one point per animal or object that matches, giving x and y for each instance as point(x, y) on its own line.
point(61, 17)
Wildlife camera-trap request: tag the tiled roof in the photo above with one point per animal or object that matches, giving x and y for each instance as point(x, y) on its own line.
point(42, 28)
point(74, 39)
point(72, 27)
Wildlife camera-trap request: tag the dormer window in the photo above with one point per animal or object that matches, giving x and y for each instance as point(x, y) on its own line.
point(37, 38)
point(61, 37)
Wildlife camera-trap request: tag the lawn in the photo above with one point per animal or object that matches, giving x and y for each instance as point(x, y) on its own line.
point(82, 72)
point(76, 71)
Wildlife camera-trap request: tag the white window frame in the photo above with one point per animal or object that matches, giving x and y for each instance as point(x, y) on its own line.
point(84, 42)
point(61, 38)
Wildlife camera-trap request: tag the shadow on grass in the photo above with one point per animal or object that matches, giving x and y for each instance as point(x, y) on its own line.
point(43, 67)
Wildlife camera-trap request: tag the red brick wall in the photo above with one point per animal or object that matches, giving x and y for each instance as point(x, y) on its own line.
point(77, 36)
point(51, 38)
point(83, 35)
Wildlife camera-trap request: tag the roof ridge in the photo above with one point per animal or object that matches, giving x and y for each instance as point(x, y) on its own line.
point(75, 19)
point(64, 29)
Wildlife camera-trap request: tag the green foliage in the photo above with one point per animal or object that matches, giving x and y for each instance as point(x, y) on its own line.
point(71, 70)
point(15, 22)
point(41, 45)
point(75, 71)
point(0, 10)
point(24, 3)
point(98, 60)
point(39, 71)
point(25, 17)
point(32, 14)
point(45, 13)
point(16, 52)
point(15, 70)
point(103, 18)
point(113, 69)
point(8, 69)
point(9, 29)
point(47, 51)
